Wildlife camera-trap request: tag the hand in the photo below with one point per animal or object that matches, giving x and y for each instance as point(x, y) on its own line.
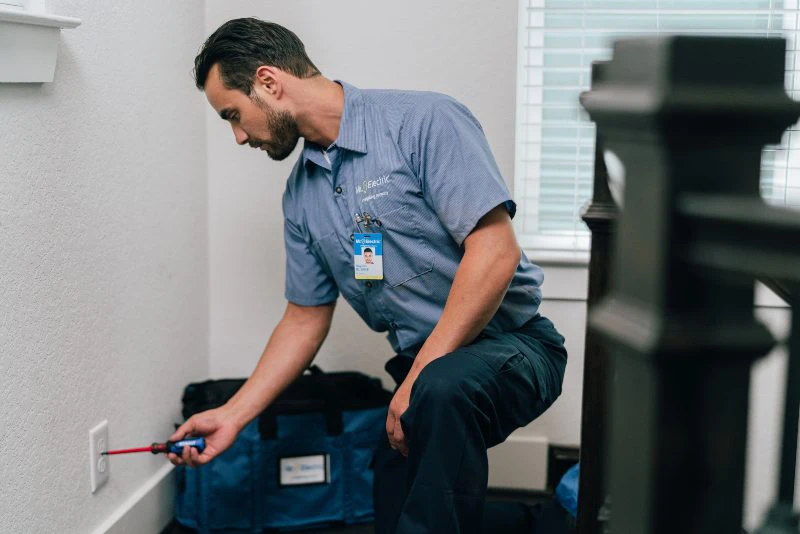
point(219, 429)
point(397, 408)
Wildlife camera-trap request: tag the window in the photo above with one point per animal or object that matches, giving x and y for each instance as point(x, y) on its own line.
point(558, 40)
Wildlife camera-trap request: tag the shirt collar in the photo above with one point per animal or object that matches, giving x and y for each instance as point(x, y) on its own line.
point(352, 132)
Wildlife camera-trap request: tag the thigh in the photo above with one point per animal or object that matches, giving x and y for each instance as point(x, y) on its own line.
point(543, 345)
point(491, 379)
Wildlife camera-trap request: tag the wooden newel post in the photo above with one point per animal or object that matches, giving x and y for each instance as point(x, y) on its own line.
point(688, 117)
point(600, 216)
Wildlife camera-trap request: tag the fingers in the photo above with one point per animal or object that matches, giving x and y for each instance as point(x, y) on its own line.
point(200, 459)
point(394, 431)
point(187, 456)
point(190, 457)
point(202, 424)
point(400, 439)
point(390, 419)
point(184, 430)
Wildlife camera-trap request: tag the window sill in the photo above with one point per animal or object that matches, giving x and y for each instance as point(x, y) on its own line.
point(29, 44)
point(558, 258)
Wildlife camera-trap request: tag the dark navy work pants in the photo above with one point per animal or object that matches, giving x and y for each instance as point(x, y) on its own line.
point(462, 404)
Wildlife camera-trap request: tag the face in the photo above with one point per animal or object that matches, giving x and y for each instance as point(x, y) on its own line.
point(255, 121)
point(368, 257)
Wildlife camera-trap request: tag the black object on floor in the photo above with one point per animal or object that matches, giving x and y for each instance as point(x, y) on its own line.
point(507, 512)
point(176, 528)
point(507, 517)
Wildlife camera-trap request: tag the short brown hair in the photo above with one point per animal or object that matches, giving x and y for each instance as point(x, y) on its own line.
point(240, 46)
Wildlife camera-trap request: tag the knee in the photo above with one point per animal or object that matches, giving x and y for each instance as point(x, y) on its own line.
point(442, 385)
point(445, 405)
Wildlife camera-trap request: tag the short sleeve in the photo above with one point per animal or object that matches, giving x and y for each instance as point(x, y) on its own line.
point(459, 175)
point(307, 282)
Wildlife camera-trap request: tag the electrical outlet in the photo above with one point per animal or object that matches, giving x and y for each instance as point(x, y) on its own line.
point(98, 463)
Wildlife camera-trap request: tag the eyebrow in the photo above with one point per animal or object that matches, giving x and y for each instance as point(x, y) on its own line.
point(226, 113)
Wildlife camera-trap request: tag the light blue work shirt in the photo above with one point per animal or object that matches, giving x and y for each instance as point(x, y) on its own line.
point(419, 164)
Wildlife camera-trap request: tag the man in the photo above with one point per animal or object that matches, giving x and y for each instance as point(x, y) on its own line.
point(367, 256)
point(413, 172)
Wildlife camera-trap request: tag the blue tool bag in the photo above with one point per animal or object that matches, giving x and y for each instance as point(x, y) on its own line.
point(305, 461)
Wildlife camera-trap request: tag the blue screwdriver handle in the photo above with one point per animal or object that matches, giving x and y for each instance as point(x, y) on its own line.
point(177, 446)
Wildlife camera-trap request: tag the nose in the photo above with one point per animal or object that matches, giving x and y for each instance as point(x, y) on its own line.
point(240, 135)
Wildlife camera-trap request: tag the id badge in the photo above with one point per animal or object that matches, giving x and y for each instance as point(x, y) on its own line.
point(368, 256)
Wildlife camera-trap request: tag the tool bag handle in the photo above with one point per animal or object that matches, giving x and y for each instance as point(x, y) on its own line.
point(331, 407)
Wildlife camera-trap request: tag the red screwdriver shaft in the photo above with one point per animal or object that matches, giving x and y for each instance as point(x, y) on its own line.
point(127, 451)
point(175, 447)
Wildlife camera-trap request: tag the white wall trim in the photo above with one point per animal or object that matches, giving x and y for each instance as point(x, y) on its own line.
point(29, 44)
point(564, 282)
point(21, 16)
point(520, 463)
point(149, 509)
point(558, 258)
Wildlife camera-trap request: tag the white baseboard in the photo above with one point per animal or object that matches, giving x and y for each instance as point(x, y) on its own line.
point(519, 463)
point(148, 510)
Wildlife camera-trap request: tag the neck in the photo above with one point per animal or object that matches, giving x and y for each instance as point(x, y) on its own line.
point(319, 104)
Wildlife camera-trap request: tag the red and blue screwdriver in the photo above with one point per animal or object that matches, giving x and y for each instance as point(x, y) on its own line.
point(170, 446)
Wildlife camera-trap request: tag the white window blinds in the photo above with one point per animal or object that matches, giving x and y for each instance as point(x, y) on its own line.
point(558, 40)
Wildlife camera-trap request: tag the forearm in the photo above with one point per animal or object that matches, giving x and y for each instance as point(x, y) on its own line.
point(290, 350)
point(478, 289)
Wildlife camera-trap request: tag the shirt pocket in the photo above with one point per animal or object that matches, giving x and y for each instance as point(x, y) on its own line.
point(338, 262)
point(406, 254)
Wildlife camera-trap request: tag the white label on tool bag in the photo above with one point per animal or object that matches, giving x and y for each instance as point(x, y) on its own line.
point(300, 470)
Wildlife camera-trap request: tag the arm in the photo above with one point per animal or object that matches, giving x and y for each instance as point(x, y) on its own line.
point(290, 350)
point(491, 257)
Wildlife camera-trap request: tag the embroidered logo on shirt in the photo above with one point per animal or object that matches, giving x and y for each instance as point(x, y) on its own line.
point(366, 185)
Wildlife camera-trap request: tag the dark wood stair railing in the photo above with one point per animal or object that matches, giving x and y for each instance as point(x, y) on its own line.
point(600, 216)
point(688, 117)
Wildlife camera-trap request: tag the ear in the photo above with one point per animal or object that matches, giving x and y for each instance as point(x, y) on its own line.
point(267, 79)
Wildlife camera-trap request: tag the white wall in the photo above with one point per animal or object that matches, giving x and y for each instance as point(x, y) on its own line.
point(103, 258)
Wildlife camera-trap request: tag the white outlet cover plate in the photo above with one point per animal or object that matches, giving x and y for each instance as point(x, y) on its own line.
point(98, 464)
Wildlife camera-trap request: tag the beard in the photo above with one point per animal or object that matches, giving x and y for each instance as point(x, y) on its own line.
point(285, 134)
